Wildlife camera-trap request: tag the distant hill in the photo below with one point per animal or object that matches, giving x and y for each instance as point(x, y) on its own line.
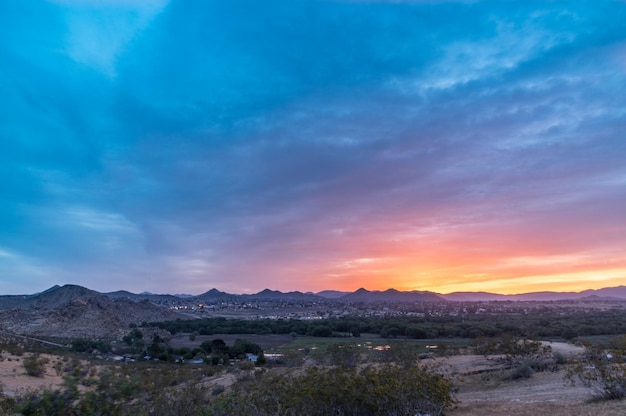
point(608, 293)
point(211, 294)
point(364, 295)
point(73, 311)
point(473, 296)
point(612, 292)
point(331, 294)
point(268, 294)
point(390, 295)
point(136, 297)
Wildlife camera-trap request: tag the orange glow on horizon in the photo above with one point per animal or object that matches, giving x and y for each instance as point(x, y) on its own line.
point(477, 273)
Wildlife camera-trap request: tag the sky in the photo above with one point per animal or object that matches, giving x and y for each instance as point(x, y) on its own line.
point(175, 146)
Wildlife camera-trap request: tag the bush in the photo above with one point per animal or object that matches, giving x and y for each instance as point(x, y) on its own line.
point(524, 370)
point(382, 390)
point(559, 358)
point(7, 404)
point(35, 366)
point(602, 371)
point(343, 354)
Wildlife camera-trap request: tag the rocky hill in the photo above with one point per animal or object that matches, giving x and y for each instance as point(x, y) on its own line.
point(73, 311)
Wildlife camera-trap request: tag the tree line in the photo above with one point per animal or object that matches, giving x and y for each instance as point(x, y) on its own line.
point(531, 325)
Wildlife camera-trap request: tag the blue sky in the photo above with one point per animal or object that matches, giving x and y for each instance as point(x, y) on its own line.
point(177, 146)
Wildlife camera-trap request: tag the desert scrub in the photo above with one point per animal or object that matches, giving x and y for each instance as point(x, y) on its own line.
point(603, 371)
point(523, 370)
point(383, 390)
point(7, 404)
point(35, 365)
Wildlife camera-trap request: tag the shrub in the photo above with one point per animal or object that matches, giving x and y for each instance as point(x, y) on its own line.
point(559, 358)
point(604, 372)
point(34, 365)
point(524, 370)
point(217, 390)
point(343, 354)
point(7, 404)
point(377, 391)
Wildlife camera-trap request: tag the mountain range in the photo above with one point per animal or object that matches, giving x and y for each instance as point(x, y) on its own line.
point(389, 295)
point(73, 311)
point(57, 295)
point(360, 295)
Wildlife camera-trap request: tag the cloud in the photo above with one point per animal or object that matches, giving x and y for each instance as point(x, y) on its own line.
point(244, 144)
point(98, 31)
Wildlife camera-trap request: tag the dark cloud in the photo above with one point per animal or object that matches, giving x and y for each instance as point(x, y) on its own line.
point(243, 144)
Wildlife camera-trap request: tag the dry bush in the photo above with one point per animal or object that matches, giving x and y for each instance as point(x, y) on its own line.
point(35, 365)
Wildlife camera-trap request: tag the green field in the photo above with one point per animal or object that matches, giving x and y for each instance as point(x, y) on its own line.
point(369, 342)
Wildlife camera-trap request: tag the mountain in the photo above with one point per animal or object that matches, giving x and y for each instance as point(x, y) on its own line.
point(73, 311)
point(608, 293)
point(276, 295)
point(611, 292)
point(390, 295)
point(473, 296)
point(136, 297)
point(331, 294)
point(213, 294)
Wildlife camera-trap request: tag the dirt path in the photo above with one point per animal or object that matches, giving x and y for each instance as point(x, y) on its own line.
point(41, 341)
point(564, 348)
point(484, 390)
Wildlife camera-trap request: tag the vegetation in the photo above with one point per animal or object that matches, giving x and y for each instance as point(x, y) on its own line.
point(157, 388)
point(603, 369)
point(537, 323)
point(390, 389)
point(35, 365)
point(326, 376)
point(87, 345)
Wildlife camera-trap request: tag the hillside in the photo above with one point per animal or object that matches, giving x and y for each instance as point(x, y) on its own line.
point(73, 311)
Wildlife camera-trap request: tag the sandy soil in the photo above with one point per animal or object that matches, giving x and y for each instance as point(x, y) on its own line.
point(14, 380)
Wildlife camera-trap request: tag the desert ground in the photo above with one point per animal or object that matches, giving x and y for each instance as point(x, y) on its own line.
point(482, 386)
point(546, 393)
point(15, 381)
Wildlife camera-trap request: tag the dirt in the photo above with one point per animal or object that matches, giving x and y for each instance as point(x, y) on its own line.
point(485, 390)
point(15, 381)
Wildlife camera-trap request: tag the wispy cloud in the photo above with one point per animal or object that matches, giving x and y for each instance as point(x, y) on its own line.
point(309, 145)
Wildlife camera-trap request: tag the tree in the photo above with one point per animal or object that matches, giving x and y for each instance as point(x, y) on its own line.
point(215, 346)
point(242, 347)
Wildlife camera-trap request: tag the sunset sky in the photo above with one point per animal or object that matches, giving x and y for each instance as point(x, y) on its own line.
point(177, 146)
